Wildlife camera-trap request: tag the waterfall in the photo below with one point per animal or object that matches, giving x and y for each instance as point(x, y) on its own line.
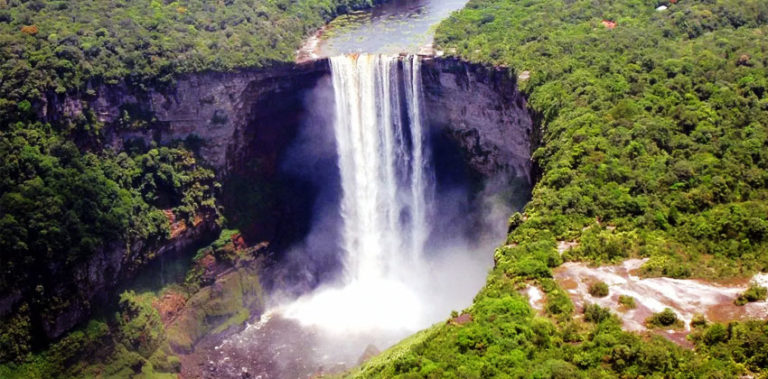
point(384, 160)
point(387, 182)
point(400, 275)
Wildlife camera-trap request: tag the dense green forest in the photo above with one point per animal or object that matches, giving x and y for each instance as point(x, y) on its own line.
point(63, 196)
point(657, 127)
point(60, 205)
point(653, 143)
point(67, 45)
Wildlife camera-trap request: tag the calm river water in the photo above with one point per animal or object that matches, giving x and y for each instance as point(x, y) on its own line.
point(399, 26)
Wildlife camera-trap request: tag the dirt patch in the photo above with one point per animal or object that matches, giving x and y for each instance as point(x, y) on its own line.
point(169, 306)
point(462, 319)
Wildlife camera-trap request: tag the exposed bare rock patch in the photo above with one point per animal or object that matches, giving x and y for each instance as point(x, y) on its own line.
point(686, 297)
point(536, 297)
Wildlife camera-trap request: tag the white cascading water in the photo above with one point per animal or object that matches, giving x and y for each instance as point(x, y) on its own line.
point(394, 282)
point(382, 161)
point(388, 186)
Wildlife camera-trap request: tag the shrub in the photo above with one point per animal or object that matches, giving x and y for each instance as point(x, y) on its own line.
point(599, 289)
point(755, 292)
point(595, 313)
point(514, 221)
point(15, 336)
point(531, 268)
point(665, 318)
point(627, 302)
point(141, 327)
point(556, 369)
point(558, 303)
point(698, 321)
point(716, 333)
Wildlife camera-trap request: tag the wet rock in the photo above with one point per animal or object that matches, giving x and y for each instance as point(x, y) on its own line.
point(230, 301)
point(687, 298)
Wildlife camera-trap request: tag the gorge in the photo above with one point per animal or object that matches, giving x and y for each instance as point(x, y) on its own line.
point(411, 245)
point(528, 189)
point(256, 125)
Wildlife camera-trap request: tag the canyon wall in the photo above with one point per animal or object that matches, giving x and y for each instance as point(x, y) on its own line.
point(254, 114)
point(481, 109)
point(87, 283)
point(479, 106)
point(219, 108)
point(92, 282)
point(229, 114)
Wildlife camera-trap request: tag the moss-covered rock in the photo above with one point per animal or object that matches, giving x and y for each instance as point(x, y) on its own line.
point(230, 301)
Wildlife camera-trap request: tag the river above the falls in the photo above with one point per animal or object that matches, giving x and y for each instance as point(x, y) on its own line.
point(398, 26)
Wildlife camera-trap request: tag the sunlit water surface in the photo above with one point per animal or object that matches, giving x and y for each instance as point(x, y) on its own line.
point(399, 26)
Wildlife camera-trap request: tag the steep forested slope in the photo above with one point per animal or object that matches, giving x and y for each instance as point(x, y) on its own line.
point(653, 143)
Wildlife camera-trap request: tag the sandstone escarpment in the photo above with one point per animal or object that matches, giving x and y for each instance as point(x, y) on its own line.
point(218, 108)
point(253, 115)
point(481, 108)
point(236, 112)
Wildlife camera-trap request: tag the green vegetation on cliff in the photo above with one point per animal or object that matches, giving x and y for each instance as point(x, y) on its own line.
point(64, 198)
point(653, 142)
point(132, 340)
point(150, 327)
point(59, 207)
point(66, 45)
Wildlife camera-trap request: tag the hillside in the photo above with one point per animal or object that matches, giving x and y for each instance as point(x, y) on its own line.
point(653, 140)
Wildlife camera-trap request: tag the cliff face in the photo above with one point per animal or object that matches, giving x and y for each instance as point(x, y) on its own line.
point(218, 108)
point(236, 116)
point(481, 109)
point(84, 284)
point(253, 115)
point(93, 281)
point(478, 106)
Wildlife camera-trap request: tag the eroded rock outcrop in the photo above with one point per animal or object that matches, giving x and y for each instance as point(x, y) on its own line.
point(481, 108)
point(234, 298)
point(218, 108)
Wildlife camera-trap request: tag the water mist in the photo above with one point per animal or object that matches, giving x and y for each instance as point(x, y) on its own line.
point(409, 250)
